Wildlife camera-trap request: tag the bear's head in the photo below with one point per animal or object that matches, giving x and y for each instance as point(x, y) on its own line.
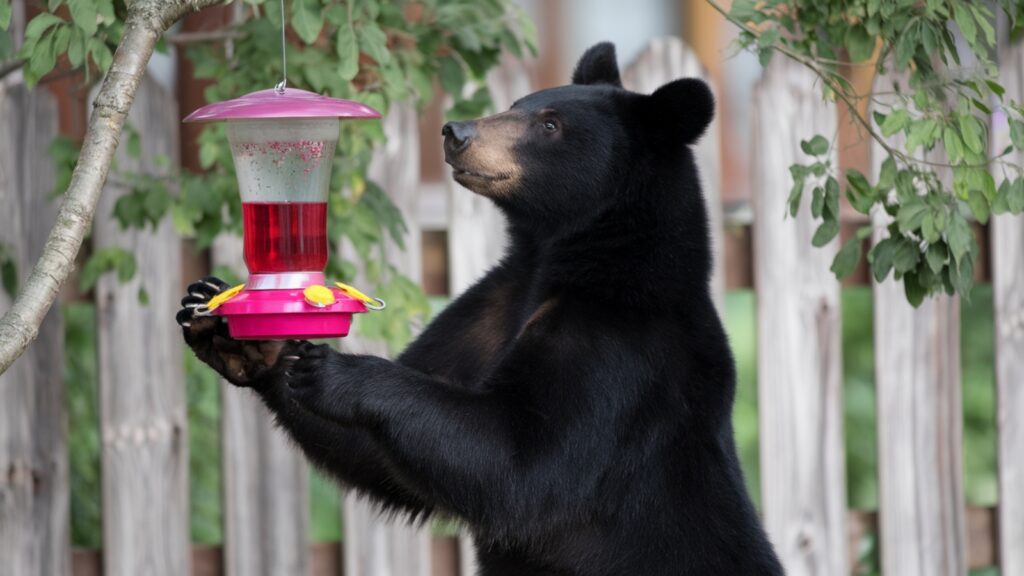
point(560, 154)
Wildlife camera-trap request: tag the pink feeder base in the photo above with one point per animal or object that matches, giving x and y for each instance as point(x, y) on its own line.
point(284, 315)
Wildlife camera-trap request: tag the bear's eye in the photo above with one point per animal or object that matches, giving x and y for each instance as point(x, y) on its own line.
point(550, 125)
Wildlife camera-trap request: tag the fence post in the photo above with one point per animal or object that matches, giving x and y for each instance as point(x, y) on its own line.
point(920, 421)
point(1008, 292)
point(476, 228)
point(265, 477)
point(374, 544)
point(664, 60)
point(144, 426)
point(803, 480)
point(34, 490)
point(476, 231)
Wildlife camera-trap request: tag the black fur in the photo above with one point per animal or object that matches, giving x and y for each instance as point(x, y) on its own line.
point(573, 407)
point(598, 65)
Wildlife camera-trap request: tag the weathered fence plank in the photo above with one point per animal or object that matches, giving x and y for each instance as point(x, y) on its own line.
point(798, 346)
point(375, 545)
point(34, 490)
point(664, 60)
point(920, 422)
point(1008, 292)
point(265, 476)
point(476, 228)
point(142, 389)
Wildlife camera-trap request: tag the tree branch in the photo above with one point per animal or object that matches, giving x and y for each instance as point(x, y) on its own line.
point(840, 92)
point(9, 67)
point(146, 21)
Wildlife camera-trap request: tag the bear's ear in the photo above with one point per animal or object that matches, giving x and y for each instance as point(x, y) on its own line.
point(598, 66)
point(685, 106)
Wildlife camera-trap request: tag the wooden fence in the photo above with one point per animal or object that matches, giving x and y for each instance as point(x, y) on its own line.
point(924, 527)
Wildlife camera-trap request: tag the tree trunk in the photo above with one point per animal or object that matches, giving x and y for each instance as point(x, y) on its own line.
point(146, 22)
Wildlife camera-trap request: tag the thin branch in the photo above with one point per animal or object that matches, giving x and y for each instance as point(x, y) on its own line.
point(146, 21)
point(847, 99)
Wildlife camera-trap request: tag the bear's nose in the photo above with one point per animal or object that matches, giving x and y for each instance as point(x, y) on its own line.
point(457, 136)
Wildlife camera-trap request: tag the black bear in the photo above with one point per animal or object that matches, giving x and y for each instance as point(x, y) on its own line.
point(573, 407)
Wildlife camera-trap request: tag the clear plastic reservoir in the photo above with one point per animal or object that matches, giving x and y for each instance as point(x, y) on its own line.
point(284, 170)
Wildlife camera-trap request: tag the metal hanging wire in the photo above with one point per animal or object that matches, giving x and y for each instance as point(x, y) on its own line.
point(284, 55)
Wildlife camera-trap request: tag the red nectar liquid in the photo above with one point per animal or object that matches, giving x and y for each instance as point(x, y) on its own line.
point(285, 236)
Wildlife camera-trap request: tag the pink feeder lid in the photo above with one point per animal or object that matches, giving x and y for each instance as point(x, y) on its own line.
point(291, 103)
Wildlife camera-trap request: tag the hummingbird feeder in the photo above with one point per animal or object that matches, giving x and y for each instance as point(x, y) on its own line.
point(282, 141)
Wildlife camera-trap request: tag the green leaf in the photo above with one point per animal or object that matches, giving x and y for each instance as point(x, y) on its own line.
point(965, 20)
point(816, 146)
point(348, 52)
point(61, 38)
point(954, 145)
point(5, 14)
point(979, 206)
point(43, 57)
point(911, 215)
point(881, 257)
point(817, 201)
point(132, 143)
point(35, 30)
point(307, 19)
point(100, 54)
point(981, 106)
point(105, 8)
point(922, 133)
point(858, 181)
point(913, 290)
point(143, 296)
point(905, 47)
point(1017, 133)
point(208, 152)
point(768, 38)
point(1000, 205)
point(906, 256)
point(971, 130)
point(76, 48)
point(83, 13)
point(799, 173)
point(959, 236)
point(928, 230)
point(984, 24)
point(847, 257)
point(887, 174)
point(107, 260)
point(8, 271)
point(374, 42)
point(452, 76)
point(743, 10)
point(183, 220)
point(859, 43)
point(1015, 197)
point(961, 275)
point(937, 256)
point(832, 197)
point(895, 122)
point(828, 230)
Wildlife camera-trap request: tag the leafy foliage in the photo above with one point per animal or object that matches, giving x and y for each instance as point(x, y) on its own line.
point(8, 271)
point(932, 122)
point(88, 37)
point(375, 51)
